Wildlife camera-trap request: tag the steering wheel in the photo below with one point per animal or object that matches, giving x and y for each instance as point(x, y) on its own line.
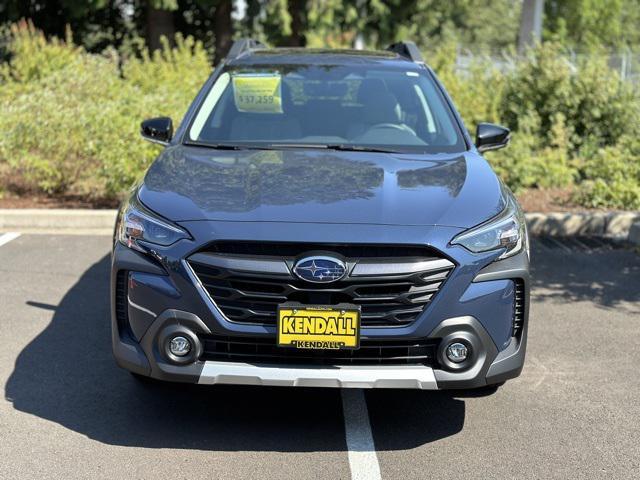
point(393, 126)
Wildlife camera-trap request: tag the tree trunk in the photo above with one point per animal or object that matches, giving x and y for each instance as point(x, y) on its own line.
point(298, 23)
point(223, 29)
point(159, 23)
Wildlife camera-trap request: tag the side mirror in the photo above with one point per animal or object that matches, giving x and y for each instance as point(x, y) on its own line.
point(491, 137)
point(157, 130)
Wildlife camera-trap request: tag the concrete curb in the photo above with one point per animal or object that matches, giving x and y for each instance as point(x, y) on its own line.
point(64, 221)
point(602, 224)
point(624, 225)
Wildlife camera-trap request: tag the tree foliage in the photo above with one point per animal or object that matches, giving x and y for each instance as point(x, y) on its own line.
point(479, 25)
point(588, 24)
point(335, 23)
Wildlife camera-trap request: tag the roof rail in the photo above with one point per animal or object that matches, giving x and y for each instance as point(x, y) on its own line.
point(407, 50)
point(244, 45)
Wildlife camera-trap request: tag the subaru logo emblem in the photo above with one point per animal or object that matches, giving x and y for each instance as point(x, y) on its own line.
point(320, 269)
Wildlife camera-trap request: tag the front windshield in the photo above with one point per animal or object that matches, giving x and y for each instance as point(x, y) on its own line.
point(326, 106)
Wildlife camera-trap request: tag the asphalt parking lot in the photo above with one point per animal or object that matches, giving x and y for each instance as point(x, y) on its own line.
point(69, 412)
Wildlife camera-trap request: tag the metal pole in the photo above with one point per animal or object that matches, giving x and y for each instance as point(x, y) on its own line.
point(530, 24)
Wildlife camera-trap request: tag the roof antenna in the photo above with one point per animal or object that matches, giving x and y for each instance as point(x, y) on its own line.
point(244, 45)
point(408, 50)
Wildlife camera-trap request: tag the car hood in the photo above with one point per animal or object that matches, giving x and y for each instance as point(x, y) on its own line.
point(321, 186)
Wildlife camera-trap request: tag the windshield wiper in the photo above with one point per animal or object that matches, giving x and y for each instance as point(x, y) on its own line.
point(334, 146)
point(275, 146)
point(229, 146)
point(360, 148)
point(299, 145)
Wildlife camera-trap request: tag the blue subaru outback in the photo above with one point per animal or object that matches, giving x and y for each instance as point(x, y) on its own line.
point(321, 218)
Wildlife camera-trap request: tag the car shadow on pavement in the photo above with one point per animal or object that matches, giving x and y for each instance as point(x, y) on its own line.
point(609, 278)
point(67, 375)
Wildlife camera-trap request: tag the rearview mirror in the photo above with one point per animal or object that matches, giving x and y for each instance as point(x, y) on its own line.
point(491, 137)
point(157, 130)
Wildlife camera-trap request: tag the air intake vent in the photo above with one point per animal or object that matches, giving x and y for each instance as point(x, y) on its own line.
point(122, 309)
point(371, 352)
point(518, 308)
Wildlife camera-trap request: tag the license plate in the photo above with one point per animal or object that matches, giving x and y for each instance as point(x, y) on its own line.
point(319, 327)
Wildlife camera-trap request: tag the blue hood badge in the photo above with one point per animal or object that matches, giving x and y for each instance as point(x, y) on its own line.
point(320, 269)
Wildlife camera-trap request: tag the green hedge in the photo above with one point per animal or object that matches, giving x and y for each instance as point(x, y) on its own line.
point(574, 125)
point(70, 119)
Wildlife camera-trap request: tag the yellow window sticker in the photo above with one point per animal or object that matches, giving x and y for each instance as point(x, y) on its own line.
point(258, 93)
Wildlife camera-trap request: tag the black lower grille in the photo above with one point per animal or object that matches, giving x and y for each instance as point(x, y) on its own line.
point(265, 350)
point(248, 287)
point(518, 308)
point(122, 309)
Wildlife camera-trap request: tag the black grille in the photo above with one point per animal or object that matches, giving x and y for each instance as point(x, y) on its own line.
point(371, 352)
point(385, 300)
point(518, 308)
point(122, 309)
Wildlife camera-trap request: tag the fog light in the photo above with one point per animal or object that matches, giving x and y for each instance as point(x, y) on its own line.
point(179, 346)
point(457, 352)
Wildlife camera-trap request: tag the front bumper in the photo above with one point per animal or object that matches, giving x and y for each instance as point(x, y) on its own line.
point(474, 304)
point(409, 376)
point(489, 367)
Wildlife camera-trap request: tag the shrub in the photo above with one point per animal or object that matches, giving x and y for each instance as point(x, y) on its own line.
point(73, 126)
point(612, 177)
point(175, 74)
point(70, 119)
point(594, 102)
point(569, 122)
point(476, 92)
point(33, 56)
point(525, 165)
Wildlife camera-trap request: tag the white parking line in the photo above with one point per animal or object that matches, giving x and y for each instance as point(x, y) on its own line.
point(7, 237)
point(363, 461)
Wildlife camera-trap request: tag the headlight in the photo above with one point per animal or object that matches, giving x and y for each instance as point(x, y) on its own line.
point(140, 225)
point(508, 230)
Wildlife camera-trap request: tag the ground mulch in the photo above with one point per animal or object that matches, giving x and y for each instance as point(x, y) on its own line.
point(551, 200)
point(36, 201)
